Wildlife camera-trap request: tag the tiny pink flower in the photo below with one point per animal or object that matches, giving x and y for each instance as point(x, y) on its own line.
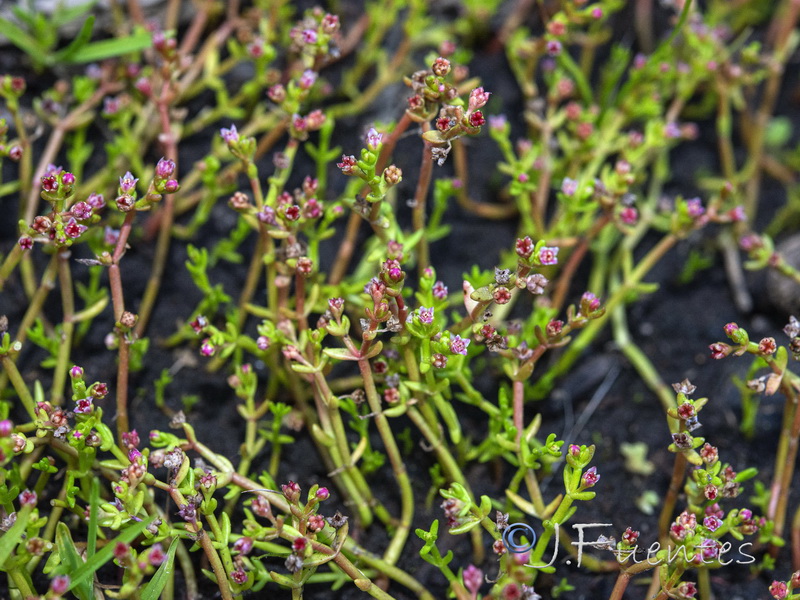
point(694, 206)
point(307, 79)
point(629, 215)
point(630, 537)
point(309, 36)
point(554, 47)
point(590, 477)
point(554, 327)
point(127, 183)
point(239, 576)
point(767, 345)
point(737, 214)
point(712, 523)
point(426, 315)
point(267, 215)
point(498, 123)
point(439, 361)
point(292, 212)
point(229, 135)
point(83, 406)
point(374, 139)
point(330, 23)
point(458, 345)
point(277, 93)
point(548, 255)
point(439, 291)
point(569, 186)
point(73, 229)
point(207, 348)
point(672, 131)
point(81, 210)
point(25, 242)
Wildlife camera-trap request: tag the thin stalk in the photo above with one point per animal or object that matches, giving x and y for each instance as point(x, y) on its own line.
point(395, 547)
point(668, 507)
point(9, 264)
point(348, 245)
point(574, 261)
point(166, 217)
point(202, 538)
point(67, 326)
point(643, 365)
point(796, 540)
point(784, 22)
point(19, 386)
point(420, 202)
point(21, 582)
point(789, 462)
point(582, 341)
point(355, 488)
point(482, 209)
point(34, 309)
point(704, 584)
point(519, 406)
point(118, 300)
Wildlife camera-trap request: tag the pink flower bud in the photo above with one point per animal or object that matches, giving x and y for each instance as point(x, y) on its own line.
point(307, 79)
point(207, 348)
point(243, 545)
point(478, 98)
point(59, 585)
point(165, 168)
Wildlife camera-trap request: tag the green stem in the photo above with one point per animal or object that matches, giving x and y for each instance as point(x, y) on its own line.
point(643, 365)
point(392, 553)
point(587, 335)
point(9, 264)
point(420, 202)
point(67, 327)
point(19, 385)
